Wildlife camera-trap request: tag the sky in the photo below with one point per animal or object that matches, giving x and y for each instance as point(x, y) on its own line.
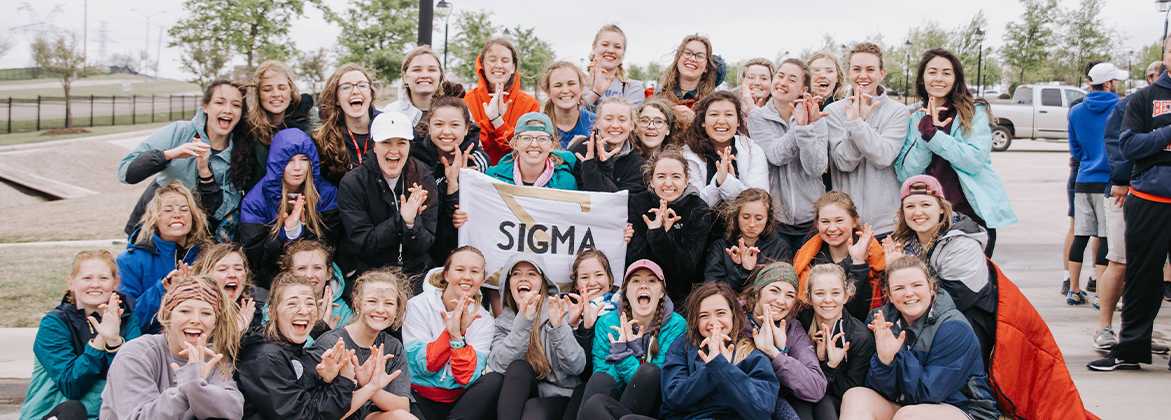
point(742, 30)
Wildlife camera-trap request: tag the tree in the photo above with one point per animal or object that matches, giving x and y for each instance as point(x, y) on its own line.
point(6, 45)
point(635, 72)
point(654, 71)
point(1027, 41)
point(134, 62)
point(311, 66)
point(1084, 37)
point(964, 45)
point(535, 56)
point(61, 56)
point(473, 29)
point(258, 29)
point(377, 33)
point(202, 53)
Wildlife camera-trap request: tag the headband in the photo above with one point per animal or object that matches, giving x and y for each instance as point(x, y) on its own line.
point(191, 289)
point(772, 273)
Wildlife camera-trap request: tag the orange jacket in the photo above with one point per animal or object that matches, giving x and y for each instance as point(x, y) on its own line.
point(1027, 373)
point(495, 140)
point(877, 261)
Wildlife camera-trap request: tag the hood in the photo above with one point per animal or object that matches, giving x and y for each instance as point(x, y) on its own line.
point(1164, 80)
point(199, 123)
point(1100, 102)
point(962, 225)
point(265, 196)
point(721, 69)
point(510, 90)
point(551, 288)
point(155, 245)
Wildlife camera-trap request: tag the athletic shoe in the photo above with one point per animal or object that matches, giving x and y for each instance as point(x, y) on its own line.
point(1078, 298)
point(1105, 339)
point(1092, 285)
point(1109, 363)
point(1158, 348)
point(1167, 291)
point(1095, 302)
point(1065, 287)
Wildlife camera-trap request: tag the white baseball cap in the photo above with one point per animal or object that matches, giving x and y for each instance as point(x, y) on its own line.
point(1105, 72)
point(391, 125)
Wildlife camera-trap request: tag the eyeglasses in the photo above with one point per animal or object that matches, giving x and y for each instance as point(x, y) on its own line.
point(655, 123)
point(527, 139)
point(697, 56)
point(347, 87)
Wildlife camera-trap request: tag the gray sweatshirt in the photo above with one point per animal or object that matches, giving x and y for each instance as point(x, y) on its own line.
point(142, 385)
point(797, 156)
point(862, 155)
point(566, 357)
point(631, 90)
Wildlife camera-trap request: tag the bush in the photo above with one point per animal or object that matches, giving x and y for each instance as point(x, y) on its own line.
point(1004, 96)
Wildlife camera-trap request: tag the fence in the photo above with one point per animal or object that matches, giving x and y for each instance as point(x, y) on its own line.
point(23, 73)
point(42, 113)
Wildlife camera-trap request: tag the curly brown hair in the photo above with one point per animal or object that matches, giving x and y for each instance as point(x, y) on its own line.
point(731, 212)
point(331, 137)
point(696, 136)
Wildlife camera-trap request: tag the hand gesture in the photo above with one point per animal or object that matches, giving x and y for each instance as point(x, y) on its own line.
point(601, 83)
point(886, 345)
point(451, 169)
point(763, 336)
point(332, 361)
point(326, 305)
point(409, 208)
point(780, 332)
point(660, 214)
point(577, 307)
point(496, 107)
point(380, 379)
point(180, 273)
point(600, 145)
point(247, 312)
point(669, 219)
point(934, 111)
point(628, 233)
point(197, 354)
point(459, 217)
point(891, 249)
point(201, 160)
point(461, 318)
point(860, 249)
point(297, 213)
point(819, 342)
point(558, 308)
point(724, 166)
point(833, 354)
point(715, 345)
point(743, 255)
point(686, 115)
point(856, 109)
point(532, 303)
point(807, 110)
point(364, 371)
point(625, 330)
point(188, 150)
point(107, 331)
point(749, 103)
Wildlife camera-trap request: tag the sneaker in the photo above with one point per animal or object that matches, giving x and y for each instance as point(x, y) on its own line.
point(1078, 298)
point(1157, 348)
point(1095, 302)
point(1167, 291)
point(1109, 363)
point(1065, 287)
point(1092, 285)
point(1105, 339)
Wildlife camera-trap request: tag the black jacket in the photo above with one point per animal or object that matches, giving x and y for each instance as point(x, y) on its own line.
point(621, 172)
point(679, 251)
point(279, 381)
point(446, 235)
point(859, 306)
point(375, 235)
point(852, 371)
point(264, 249)
point(721, 268)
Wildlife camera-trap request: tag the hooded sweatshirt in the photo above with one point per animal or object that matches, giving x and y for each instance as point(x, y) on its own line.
point(940, 362)
point(142, 385)
point(1120, 168)
point(66, 367)
point(693, 389)
point(438, 372)
point(142, 268)
point(280, 381)
point(511, 341)
point(301, 118)
point(751, 172)
point(621, 172)
point(258, 211)
point(1146, 140)
point(678, 251)
point(621, 359)
point(797, 157)
point(495, 139)
point(446, 235)
point(1087, 127)
point(720, 266)
point(862, 154)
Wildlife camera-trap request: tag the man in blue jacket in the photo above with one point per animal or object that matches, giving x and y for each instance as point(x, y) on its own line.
point(1087, 127)
point(1145, 140)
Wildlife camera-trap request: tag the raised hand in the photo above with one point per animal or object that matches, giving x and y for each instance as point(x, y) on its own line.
point(409, 208)
point(497, 107)
point(685, 114)
point(188, 150)
point(600, 83)
point(180, 273)
point(247, 312)
point(451, 169)
point(780, 332)
point(558, 308)
point(724, 166)
point(198, 354)
point(202, 159)
point(628, 233)
point(590, 142)
point(819, 342)
point(865, 110)
point(332, 361)
point(577, 307)
point(364, 371)
point(934, 112)
point(453, 323)
point(856, 109)
point(886, 345)
point(669, 219)
point(107, 331)
point(532, 303)
point(746, 98)
point(626, 330)
point(763, 337)
point(860, 249)
point(808, 110)
point(660, 214)
point(891, 249)
point(834, 355)
point(325, 305)
point(297, 213)
point(458, 217)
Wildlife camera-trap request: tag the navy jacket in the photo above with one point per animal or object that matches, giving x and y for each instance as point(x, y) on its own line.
point(142, 268)
point(718, 389)
point(1120, 167)
point(720, 266)
point(1146, 138)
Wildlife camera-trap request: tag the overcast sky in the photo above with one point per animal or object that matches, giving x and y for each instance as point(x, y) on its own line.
point(738, 29)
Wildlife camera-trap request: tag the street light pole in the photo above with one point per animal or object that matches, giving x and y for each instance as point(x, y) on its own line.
point(1164, 7)
point(979, 62)
point(426, 15)
point(146, 48)
point(444, 8)
point(907, 72)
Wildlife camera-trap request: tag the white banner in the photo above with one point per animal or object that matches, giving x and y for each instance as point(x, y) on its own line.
point(504, 219)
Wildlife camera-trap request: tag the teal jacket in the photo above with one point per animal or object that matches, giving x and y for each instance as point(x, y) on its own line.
point(673, 328)
point(66, 367)
point(178, 133)
point(970, 153)
point(563, 178)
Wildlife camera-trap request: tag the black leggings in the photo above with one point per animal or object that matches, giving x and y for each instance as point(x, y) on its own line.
point(822, 410)
point(68, 410)
point(1078, 248)
point(603, 400)
point(519, 398)
point(478, 403)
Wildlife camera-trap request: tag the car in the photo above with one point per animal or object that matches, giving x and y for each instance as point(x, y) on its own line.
point(1035, 111)
point(990, 94)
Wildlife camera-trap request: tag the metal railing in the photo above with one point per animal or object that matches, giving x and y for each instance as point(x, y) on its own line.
point(45, 112)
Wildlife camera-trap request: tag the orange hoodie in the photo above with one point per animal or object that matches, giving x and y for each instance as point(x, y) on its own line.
point(803, 260)
point(495, 140)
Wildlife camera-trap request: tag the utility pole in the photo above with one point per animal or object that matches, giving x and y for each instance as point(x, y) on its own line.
point(158, 52)
point(85, 34)
point(426, 15)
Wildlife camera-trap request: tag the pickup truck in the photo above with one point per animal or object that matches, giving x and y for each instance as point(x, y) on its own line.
point(1035, 111)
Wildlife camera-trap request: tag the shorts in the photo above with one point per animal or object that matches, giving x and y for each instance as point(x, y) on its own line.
point(1115, 231)
point(1089, 215)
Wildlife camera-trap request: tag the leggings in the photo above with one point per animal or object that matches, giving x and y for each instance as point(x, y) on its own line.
point(478, 403)
point(603, 399)
point(1078, 248)
point(519, 399)
point(68, 410)
point(822, 410)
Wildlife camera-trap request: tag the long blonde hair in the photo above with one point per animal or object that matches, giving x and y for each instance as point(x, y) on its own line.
point(154, 211)
point(331, 136)
point(262, 128)
point(839, 91)
point(312, 217)
point(225, 335)
point(620, 72)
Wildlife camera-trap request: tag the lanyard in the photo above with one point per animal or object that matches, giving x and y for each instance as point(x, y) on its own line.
point(361, 151)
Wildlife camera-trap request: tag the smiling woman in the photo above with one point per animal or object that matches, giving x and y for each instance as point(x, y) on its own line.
point(751, 240)
point(497, 101)
point(347, 108)
point(723, 160)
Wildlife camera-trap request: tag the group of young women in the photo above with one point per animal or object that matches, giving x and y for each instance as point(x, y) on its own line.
point(287, 263)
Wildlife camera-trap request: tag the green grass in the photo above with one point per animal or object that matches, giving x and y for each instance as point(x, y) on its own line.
point(37, 137)
point(34, 281)
point(148, 88)
point(83, 121)
point(94, 217)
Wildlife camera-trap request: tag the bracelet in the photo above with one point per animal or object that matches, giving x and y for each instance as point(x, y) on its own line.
point(208, 179)
point(113, 349)
point(456, 345)
point(497, 118)
point(596, 93)
point(785, 350)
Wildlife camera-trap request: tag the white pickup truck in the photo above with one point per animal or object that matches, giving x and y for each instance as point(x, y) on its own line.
point(1035, 111)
